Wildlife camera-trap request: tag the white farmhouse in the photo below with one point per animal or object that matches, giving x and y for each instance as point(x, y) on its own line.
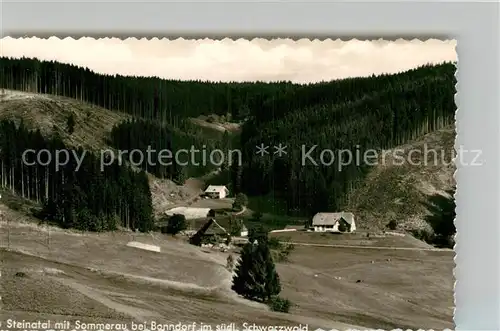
point(329, 222)
point(217, 192)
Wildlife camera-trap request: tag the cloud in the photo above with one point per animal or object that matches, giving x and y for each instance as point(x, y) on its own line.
point(300, 61)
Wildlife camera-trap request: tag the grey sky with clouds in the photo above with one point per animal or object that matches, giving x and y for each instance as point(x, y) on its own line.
point(301, 61)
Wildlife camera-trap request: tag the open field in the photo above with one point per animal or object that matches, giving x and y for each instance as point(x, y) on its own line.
point(93, 296)
point(351, 239)
point(400, 289)
point(226, 203)
point(90, 276)
point(49, 113)
point(108, 280)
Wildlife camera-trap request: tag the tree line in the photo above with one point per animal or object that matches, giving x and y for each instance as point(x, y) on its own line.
point(341, 91)
point(147, 97)
point(172, 100)
point(81, 196)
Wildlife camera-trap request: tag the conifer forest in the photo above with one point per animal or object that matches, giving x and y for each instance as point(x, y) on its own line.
point(357, 114)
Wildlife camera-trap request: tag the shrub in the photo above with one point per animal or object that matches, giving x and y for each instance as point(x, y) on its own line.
point(176, 224)
point(211, 119)
point(230, 263)
point(258, 233)
point(14, 205)
point(392, 225)
point(280, 304)
point(241, 200)
point(274, 243)
point(256, 216)
point(342, 226)
point(284, 252)
point(281, 249)
point(235, 227)
point(423, 235)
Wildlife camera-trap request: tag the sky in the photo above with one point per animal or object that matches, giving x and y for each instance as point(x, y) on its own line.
point(302, 61)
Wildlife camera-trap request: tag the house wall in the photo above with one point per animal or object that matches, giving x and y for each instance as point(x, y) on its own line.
point(217, 195)
point(323, 228)
point(335, 228)
point(283, 230)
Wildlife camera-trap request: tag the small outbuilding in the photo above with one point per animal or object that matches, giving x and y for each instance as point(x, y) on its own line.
point(217, 192)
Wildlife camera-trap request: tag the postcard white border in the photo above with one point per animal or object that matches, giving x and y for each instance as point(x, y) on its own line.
point(475, 26)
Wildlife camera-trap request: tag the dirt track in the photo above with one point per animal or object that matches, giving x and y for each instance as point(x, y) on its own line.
point(375, 247)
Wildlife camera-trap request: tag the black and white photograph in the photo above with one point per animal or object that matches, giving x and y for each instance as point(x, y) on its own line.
point(228, 185)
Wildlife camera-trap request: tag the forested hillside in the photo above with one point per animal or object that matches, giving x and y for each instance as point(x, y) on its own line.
point(341, 91)
point(144, 135)
point(50, 114)
point(83, 196)
point(373, 114)
point(150, 98)
point(356, 114)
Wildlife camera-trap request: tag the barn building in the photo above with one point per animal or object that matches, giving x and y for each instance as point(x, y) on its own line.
point(210, 232)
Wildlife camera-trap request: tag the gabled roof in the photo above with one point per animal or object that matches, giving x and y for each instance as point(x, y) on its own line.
point(216, 188)
point(332, 218)
point(214, 228)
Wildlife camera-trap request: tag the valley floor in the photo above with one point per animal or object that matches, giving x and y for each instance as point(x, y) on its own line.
point(49, 273)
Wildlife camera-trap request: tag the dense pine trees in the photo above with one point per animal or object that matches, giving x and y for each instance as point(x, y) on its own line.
point(80, 193)
point(256, 277)
point(328, 139)
point(150, 98)
point(442, 218)
point(165, 151)
point(351, 115)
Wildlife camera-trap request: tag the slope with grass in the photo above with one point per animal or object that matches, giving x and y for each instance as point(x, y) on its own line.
point(70, 275)
point(49, 114)
point(63, 274)
point(398, 187)
point(380, 289)
point(93, 124)
point(100, 278)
